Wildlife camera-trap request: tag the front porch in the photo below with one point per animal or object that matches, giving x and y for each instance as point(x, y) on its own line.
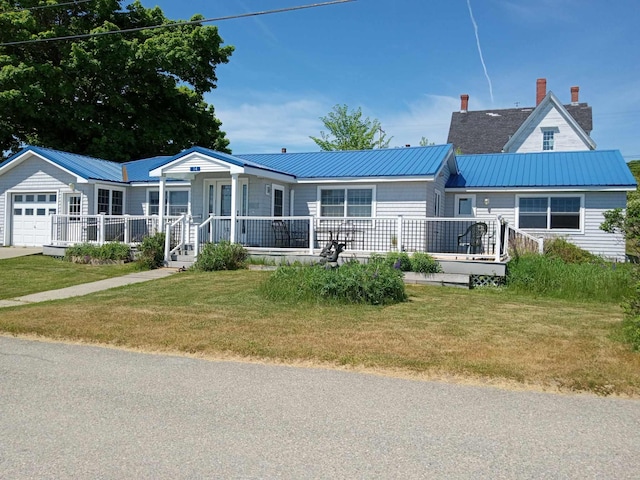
point(449, 240)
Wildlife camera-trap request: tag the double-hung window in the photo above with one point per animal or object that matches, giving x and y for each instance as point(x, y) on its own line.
point(176, 202)
point(550, 212)
point(346, 202)
point(548, 139)
point(277, 202)
point(110, 202)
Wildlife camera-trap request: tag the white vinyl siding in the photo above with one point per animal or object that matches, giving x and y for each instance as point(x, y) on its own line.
point(32, 175)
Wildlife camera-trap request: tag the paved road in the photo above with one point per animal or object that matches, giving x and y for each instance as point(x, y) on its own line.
point(69, 411)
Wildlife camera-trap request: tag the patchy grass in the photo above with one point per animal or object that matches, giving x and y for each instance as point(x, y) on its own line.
point(38, 273)
point(483, 334)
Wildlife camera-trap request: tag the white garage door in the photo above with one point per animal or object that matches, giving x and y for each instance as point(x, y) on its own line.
point(30, 218)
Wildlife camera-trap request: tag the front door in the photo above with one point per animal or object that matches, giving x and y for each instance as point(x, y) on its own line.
point(218, 203)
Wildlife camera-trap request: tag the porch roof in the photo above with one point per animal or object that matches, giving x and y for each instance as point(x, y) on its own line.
point(587, 169)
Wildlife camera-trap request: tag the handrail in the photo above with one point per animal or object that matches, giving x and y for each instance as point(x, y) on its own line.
point(196, 246)
point(539, 241)
point(167, 239)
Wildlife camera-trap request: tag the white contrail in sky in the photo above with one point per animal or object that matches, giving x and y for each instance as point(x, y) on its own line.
point(475, 26)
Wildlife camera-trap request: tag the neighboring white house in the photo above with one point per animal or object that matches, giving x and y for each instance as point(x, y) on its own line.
point(549, 126)
point(419, 199)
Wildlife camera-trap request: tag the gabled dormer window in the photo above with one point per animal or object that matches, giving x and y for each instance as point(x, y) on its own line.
point(547, 139)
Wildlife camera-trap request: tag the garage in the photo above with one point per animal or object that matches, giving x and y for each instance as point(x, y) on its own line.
point(30, 218)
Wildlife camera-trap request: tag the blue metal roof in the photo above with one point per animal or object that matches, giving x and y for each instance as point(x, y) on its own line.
point(81, 165)
point(386, 162)
point(138, 170)
point(591, 168)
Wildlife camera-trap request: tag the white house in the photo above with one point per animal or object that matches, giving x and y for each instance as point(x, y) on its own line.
point(416, 199)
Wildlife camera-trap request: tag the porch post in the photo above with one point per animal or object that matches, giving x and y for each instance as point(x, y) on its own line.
point(498, 239)
point(161, 194)
point(234, 205)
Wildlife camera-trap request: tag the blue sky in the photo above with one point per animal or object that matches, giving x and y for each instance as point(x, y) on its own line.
point(406, 62)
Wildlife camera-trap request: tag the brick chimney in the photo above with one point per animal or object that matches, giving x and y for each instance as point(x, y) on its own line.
point(574, 95)
point(541, 90)
point(464, 103)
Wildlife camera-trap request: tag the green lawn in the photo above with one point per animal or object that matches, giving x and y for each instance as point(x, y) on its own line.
point(38, 273)
point(480, 335)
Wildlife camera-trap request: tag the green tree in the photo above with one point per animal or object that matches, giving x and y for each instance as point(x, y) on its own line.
point(118, 96)
point(424, 142)
point(347, 130)
point(627, 221)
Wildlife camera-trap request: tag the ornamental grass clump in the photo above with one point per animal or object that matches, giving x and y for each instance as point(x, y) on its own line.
point(550, 276)
point(221, 256)
point(89, 253)
point(353, 282)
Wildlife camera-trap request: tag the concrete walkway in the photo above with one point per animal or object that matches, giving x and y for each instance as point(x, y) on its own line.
point(12, 252)
point(87, 288)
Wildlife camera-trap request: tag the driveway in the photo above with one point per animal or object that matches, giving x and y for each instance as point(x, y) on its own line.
point(71, 411)
point(12, 252)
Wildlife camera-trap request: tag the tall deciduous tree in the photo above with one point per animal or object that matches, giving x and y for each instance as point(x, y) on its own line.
point(121, 96)
point(347, 130)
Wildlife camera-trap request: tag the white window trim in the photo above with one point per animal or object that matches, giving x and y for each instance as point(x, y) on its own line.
point(459, 197)
point(437, 203)
point(553, 130)
point(111, 188)
point(374, 203)
point(274, 187)
point(147, 205)
point(549, 196)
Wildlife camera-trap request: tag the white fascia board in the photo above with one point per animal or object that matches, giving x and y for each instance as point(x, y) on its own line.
point(270, 174)
point(28, 154)
point(539, 189)
point(157, 184)
point(167, 168)
point(368, 179)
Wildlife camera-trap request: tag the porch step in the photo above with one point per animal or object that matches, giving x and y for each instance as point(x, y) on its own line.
point(184, 260)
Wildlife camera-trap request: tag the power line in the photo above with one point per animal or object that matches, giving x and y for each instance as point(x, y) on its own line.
point(51, 6)
point(177, 24)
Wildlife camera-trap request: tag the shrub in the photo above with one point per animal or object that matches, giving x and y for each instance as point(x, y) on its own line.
point(221, 256)
point(568, 252)
point(631, 323)
point(115, 251)
point(398, 260)
point(151, 252)
point(85, 252)
point(374, 283)
point(424, 263)
point(418, 262)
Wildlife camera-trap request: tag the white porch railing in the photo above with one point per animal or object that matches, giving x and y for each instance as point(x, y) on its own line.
point(99, 229)
point(517, 242)
point(472, 238)
point(441, 236)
